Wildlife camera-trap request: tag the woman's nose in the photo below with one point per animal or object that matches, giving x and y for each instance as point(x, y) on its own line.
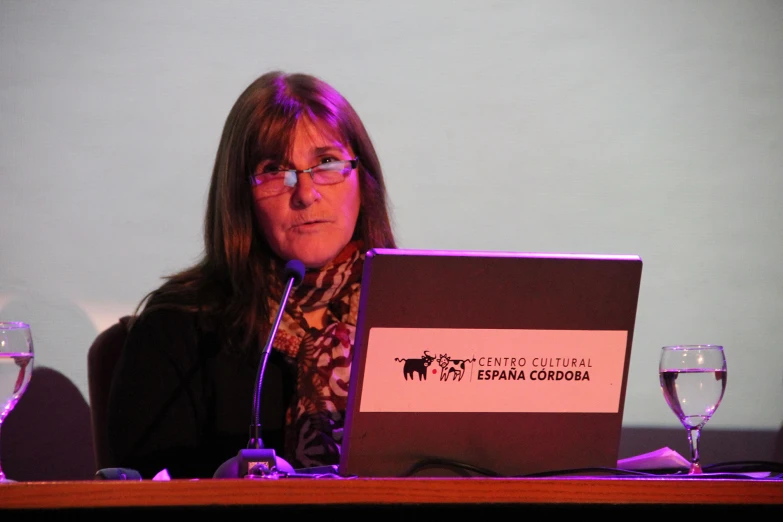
point(305, 191)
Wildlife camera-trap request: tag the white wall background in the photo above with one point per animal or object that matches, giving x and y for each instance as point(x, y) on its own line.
point(602, 126)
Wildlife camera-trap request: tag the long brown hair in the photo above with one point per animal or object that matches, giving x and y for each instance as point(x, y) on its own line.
point(230, 281)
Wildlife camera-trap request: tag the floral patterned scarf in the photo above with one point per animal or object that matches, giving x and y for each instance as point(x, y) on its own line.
point(314, 423)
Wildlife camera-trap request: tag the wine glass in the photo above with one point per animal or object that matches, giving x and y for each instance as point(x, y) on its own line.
point(16, 367)
point(693, 379)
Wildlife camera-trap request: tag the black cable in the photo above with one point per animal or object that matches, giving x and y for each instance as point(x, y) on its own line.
point(745, 466)
point(583, 471)
point(460, 468)
point(725, 470)
point(467, 470)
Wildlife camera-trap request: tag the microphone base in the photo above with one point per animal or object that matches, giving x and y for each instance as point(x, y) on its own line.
point(254, 464)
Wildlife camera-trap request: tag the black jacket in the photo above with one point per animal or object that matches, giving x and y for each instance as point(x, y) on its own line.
point(181, 401)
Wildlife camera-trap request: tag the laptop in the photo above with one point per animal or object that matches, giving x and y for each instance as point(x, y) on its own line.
point(489, 363)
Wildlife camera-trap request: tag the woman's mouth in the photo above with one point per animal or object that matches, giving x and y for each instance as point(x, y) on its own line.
point(310, 225)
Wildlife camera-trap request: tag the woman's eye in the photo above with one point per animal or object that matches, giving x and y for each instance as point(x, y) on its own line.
point(270, 168)
point(328, 159)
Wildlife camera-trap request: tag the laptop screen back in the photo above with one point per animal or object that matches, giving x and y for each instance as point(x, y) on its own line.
point(512, 363)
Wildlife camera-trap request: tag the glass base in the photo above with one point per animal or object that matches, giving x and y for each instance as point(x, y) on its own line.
point(695, 469)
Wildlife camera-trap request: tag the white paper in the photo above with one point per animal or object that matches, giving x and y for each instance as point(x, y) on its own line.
point(664, 458)
point(162, 475)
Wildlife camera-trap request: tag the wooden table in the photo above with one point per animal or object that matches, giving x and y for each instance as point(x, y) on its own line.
point(411, 494)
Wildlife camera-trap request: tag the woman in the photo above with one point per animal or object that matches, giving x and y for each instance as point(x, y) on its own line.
point(296, 177)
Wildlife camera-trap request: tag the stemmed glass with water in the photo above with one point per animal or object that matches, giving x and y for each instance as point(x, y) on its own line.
point(16, 367)
point(693, 379)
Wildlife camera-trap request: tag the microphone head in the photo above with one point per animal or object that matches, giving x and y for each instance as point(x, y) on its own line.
point(295, 269)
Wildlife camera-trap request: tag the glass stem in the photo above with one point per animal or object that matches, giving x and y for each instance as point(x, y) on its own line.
point(693, 439)
point(2, 475)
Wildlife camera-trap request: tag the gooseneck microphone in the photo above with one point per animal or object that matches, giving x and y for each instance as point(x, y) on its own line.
point(293, 274)
point(255, 460)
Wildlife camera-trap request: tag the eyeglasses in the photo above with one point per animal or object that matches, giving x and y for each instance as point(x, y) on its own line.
point(276, 182)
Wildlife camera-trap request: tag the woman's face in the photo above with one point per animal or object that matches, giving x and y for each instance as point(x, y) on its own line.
point(311, 223)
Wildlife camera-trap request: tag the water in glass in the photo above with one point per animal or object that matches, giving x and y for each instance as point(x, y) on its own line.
point(16, 368)
point(693, 380)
